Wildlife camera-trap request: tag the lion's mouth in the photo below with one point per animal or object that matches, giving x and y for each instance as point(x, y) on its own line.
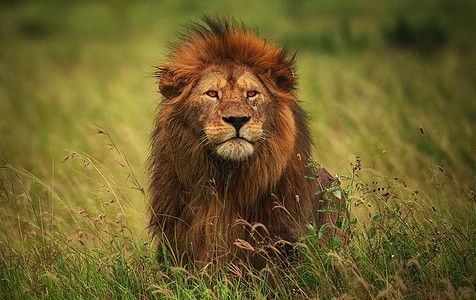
point(235, 138)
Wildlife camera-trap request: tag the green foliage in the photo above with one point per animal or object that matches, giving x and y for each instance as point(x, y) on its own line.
point(399, 251)
point(426, 37)
point(72, 206)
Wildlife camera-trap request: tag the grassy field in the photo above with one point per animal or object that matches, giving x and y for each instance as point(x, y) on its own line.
point(391, 82)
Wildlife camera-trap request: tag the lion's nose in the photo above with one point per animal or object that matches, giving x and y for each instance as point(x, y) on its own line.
point(237, 122)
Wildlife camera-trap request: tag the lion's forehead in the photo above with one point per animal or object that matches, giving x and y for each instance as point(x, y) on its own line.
point(221, 78)
point(247, 81)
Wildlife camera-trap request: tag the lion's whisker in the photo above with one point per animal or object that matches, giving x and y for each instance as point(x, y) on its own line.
point(204, 141)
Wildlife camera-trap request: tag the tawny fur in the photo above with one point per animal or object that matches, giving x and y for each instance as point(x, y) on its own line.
point(211, 208)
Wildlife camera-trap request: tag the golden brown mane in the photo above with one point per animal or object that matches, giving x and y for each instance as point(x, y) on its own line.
point(223, 41)
point(210, 207)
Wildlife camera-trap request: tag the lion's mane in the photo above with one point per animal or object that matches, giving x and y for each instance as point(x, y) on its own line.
point(209, 207)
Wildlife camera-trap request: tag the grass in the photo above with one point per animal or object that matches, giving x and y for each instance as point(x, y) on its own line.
point(403, 248)
point(391, 82)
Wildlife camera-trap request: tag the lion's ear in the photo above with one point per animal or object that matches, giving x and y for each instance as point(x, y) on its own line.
point(284, 79)
point(169, 86)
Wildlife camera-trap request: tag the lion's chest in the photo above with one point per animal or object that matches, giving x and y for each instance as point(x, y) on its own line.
point(216, 227)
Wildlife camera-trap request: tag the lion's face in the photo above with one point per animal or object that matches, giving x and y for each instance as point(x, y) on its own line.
point(232, 102)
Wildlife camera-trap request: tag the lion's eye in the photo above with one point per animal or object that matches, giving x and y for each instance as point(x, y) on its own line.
point(213, 94)
point(251, 94)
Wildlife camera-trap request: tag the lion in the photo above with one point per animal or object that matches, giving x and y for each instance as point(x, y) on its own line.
point(229, 149)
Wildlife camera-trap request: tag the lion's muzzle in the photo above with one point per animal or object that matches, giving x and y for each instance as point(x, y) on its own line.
point(235, 144)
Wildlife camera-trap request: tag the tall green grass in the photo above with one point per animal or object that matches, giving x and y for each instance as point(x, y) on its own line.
point(396, 245)
point(392, 82)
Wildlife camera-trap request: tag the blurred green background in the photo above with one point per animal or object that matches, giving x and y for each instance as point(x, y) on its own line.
point(371, 74)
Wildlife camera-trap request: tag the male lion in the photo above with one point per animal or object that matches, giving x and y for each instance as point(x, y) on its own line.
point(227, 158)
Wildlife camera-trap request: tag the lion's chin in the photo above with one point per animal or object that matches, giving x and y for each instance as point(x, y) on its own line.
point(235, 149)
